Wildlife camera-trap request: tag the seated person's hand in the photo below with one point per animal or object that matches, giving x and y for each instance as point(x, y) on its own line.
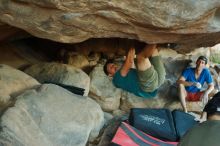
point(197, 84)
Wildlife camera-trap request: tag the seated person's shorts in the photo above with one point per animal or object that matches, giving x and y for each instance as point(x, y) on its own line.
point(194, 96)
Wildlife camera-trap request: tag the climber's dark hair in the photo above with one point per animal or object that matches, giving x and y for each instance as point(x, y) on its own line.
point(106, 64)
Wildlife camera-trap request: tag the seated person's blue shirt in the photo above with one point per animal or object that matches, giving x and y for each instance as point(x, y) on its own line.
point(130, 83)
point(189, 75)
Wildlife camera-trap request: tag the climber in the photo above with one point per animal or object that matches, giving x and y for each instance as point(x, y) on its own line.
point(143, 81)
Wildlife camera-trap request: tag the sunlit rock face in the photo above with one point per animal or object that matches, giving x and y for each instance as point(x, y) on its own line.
point(188, 23)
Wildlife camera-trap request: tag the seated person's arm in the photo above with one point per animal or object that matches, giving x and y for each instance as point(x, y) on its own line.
point(209, 81)
point(128, 62)
point(183, 81)
point(205, 97)
point(210, 88)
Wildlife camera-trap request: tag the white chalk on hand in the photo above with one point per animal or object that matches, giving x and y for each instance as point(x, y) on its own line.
point(198, 85)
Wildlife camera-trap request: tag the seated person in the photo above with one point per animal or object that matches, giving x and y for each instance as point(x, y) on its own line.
point(143, 81)
point(191, 82)
point(206, 133)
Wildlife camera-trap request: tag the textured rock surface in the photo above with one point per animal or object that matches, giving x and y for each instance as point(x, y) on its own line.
point(103, 91)
point(60, 73)
point(13, 82)
point(50, 116)
point(194, 23)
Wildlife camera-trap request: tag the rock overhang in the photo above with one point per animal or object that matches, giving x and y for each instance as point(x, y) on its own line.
point(189, 24)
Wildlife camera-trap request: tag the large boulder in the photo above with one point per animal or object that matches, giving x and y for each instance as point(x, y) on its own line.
point(51, 116)
point(192, 23)
point(103, 91)
point(60, 74)
point(12, 83)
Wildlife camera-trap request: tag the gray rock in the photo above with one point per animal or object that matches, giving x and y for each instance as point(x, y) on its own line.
point(129, 101)
point(103, 91)
point(190, 23)
point(60, 73)
point(51, 116)
point(13, 82)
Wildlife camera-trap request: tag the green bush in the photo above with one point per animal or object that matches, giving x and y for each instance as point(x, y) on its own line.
point(215, 58)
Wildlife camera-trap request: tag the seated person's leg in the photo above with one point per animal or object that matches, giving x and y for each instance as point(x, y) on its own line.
point(182, 96)
point(158, 66)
